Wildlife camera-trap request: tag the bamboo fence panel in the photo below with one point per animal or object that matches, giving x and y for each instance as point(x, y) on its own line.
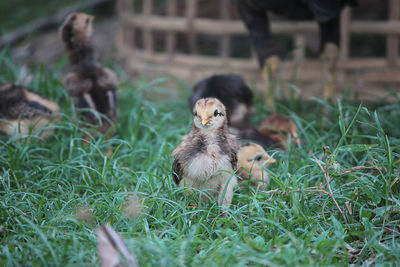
point(194, 65)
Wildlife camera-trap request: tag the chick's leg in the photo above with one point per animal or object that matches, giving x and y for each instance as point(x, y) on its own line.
point(226, 192)
point(329, 59)
point(269, 71)
point(329, 53)
point(255, 17)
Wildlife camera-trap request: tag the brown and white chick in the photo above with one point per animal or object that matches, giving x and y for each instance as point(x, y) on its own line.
point(251, 159)
point(89, 84)
point(237, 97)
point(277, 127)
point(22, 111)
point(207, 156)
point(232, 91)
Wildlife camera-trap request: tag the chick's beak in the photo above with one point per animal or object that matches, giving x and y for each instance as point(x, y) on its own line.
point(205, 121)
point(270, 160)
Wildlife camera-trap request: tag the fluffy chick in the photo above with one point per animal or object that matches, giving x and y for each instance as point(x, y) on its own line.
point(232, 91)
point(205, 156)
point(235, 94)
point(251, 159)
point(22, 110)
point(89, 84)
point(277, 127)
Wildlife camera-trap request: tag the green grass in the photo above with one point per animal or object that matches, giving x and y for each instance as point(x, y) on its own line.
point(294, 222)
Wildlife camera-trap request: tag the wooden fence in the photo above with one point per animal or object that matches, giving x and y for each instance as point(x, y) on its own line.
point(367, 75)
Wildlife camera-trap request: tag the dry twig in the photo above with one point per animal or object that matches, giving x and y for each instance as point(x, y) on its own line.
point(363, 168)
point(291, 190)
point(389, 229)
point(328, 179)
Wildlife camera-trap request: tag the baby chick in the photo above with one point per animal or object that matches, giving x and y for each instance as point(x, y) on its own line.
point(251, 159)
point(232, 91)
point(277, 127)
point(89, 84)
point(206, 157)
point(235, 94)
point(22, 110)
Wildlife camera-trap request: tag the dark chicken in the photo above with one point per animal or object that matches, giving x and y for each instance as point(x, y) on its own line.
point(327, 13)
point(89, 84)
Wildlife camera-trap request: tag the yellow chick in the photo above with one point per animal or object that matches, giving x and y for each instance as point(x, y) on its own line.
point(251, 159)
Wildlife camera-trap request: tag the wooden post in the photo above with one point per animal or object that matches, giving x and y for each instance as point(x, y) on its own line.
point(225, 44)
point(392, 42)
point(127, 32)
point(147, 34)
point(124, 6)
point(191, 12)
point(299, 46)
point(344, 33)
point(171, 40)
point(189, 66)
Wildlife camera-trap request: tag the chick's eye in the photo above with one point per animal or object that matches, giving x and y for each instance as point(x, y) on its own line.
point(195, 114)
point(258, 158)
point(216, 113)
point(87, 21)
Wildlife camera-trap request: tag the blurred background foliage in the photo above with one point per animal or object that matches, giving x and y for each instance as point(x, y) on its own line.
point(15, 13)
